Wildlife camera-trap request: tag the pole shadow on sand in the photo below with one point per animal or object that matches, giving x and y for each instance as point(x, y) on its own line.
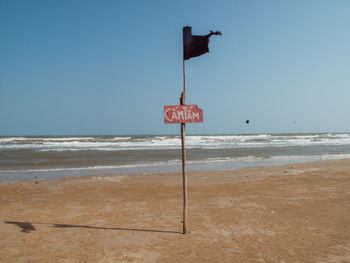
point(27, 227)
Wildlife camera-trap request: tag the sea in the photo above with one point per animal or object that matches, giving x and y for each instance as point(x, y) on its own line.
point(45, 157)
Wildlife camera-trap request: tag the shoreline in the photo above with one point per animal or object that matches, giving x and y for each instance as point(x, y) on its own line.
point(24, 158)
point(287, 213)
point(220, 165)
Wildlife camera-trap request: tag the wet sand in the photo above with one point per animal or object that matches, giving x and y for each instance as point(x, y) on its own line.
point(289, 213)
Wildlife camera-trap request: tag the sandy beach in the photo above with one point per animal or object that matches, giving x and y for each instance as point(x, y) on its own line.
point(289, 213)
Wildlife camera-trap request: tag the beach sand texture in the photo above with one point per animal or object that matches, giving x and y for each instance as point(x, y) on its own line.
point(289, 213)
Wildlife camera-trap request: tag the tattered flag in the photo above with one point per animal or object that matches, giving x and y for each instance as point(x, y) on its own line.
point(195, 46)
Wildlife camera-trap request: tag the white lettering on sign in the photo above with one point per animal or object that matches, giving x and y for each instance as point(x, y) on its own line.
point(182, 114)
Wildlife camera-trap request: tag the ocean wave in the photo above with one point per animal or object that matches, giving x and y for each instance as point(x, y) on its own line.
point(120, 143)
point(12, 139)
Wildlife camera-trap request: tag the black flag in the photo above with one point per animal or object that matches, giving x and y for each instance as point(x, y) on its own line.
point(195, 46)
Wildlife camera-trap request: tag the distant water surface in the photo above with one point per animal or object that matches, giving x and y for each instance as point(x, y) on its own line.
point(24, 158)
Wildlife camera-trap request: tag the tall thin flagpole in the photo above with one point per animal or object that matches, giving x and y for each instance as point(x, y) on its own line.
point(184, 176)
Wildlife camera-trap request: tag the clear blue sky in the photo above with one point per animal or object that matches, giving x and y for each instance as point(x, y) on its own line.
point(109, 67)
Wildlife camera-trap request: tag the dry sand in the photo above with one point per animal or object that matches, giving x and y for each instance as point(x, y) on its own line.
point(290, 213)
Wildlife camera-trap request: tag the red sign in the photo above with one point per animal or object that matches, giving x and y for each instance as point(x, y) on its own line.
point(182, 114)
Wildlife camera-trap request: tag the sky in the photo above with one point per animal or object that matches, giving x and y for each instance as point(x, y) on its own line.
point(108, 67)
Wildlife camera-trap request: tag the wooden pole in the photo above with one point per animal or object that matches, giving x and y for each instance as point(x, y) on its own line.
point(183, 146)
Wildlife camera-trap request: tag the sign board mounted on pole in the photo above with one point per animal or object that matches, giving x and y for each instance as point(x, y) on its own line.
point(182, 114)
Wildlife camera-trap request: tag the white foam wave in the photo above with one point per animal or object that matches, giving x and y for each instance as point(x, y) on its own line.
point(11, 139)
point(119, 143)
